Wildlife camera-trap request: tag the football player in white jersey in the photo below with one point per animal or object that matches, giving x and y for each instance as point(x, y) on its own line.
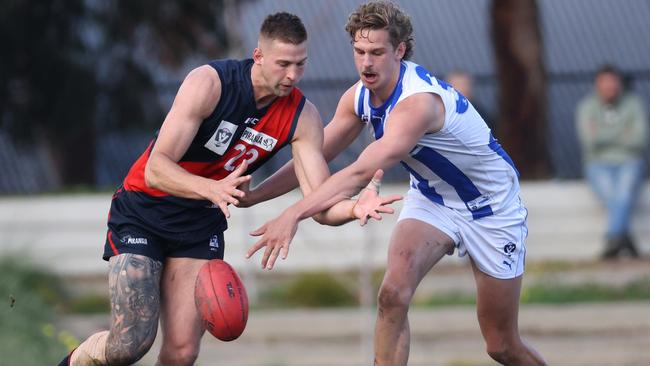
point(464, 193)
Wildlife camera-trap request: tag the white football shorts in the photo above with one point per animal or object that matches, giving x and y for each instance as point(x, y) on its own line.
point(495, 243)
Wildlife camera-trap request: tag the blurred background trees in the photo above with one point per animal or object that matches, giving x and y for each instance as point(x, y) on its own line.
point(73, 70)
point(518, 51)
point(85, 83)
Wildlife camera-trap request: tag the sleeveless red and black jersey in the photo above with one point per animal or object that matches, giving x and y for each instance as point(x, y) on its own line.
point(214, 153)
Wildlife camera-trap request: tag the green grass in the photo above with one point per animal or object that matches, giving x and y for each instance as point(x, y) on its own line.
point(589, 292)
point(324, 289)
point(312, 289)
point(540, 293)
point(88, 304)
point(27, 333)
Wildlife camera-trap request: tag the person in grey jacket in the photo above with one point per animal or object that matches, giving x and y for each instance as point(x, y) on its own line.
point(612, 129)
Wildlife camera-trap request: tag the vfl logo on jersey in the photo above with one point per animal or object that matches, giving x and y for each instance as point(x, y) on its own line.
point(220, 140)
point(365, 118)
point(258, 139)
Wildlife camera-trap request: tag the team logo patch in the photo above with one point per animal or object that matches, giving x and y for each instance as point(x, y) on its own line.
point(509, 248)
point(129, 240)
point(220, 140)
point(258, 139)
point(223, 137)
point(214, 243)
point(479, 202)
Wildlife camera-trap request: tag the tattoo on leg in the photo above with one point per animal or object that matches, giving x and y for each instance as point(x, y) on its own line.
point(134, 283)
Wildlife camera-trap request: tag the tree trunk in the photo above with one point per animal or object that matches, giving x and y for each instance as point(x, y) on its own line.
point(522, 87)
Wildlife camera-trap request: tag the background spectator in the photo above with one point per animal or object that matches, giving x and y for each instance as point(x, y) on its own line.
point(612, 129)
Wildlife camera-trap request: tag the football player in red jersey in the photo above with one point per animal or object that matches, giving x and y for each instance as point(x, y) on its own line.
point(168, 218)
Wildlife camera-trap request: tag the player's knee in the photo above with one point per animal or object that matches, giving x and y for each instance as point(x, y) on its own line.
point(502, 352)
point(394, 297)
point(181, 356)
point(500, 355)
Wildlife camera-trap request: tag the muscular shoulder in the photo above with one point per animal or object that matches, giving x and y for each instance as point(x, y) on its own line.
point(310, 112)
point(201, 88)
point(309, 122)
point(347, 102)
point(423, 108)
point(309, 116)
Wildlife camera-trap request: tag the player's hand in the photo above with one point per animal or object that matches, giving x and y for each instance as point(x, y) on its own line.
point(247, 200)
point(225, 191)
point(276, 237)
point(370, 204)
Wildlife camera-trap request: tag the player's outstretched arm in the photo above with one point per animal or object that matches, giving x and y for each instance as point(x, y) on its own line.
point(368, 205)
point(196, 99)
point(411, 119)
point(311, 171)
point(339, 133)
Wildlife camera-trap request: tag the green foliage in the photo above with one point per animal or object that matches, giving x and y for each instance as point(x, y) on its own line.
point(27, 334)
point(89, 304)
point(543, 293)
point(453, 298)
point(314, 289)
point(72, 70)
point(589, 292)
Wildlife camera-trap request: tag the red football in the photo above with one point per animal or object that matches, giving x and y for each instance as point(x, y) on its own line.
point(221, 300)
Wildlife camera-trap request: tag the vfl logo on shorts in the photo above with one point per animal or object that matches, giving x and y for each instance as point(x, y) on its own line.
point(214, 243)
point(509, 248)
point(220, 140)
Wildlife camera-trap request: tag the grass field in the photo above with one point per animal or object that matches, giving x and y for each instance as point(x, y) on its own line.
point(32, 299)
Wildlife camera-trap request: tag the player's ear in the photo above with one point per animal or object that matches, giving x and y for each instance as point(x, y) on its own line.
point(257, 55)
point(401, 50)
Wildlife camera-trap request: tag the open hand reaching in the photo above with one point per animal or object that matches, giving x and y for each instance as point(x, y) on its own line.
point(370, 204)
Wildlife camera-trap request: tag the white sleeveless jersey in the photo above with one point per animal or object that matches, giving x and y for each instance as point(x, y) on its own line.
point(461, 166)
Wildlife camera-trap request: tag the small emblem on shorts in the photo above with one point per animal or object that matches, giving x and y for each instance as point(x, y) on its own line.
point(214, 242)
point(479, 202)
point(507, 264)
point(509, 248)
point(129, 240)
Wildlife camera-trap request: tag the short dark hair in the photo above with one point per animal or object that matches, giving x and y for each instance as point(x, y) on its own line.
point(383, 15)
point(284, 27)
point(608, 69)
